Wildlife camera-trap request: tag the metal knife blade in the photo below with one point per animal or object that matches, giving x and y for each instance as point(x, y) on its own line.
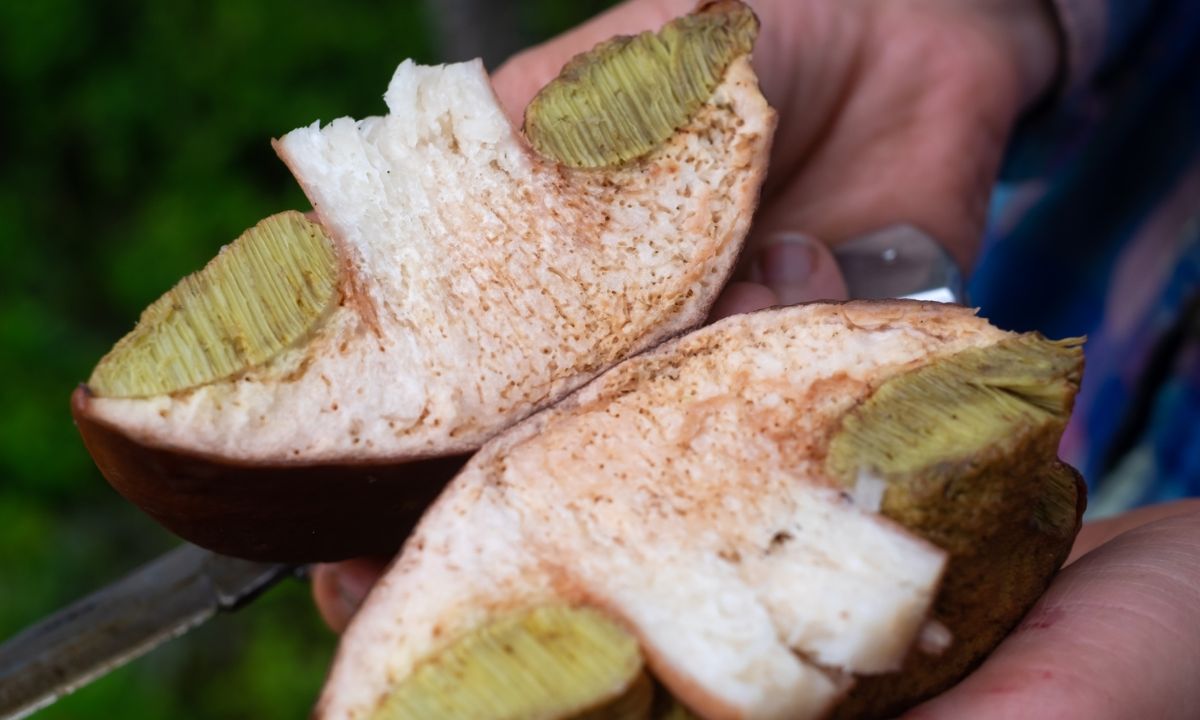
point(899, 261)
point(155, 603)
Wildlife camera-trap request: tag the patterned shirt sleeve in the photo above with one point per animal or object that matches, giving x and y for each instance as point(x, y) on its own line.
point(1094, 230)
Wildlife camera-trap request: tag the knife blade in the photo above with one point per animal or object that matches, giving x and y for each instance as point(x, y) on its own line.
point(156, 602)
point(899, 261)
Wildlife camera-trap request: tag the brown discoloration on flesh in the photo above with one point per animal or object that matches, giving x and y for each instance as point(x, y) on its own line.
point(350, 284)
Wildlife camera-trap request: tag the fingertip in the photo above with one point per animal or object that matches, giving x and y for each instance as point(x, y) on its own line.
point(520, 77)
point(1097, 532)
point(339, 589)
point(326, 598)
point(799, 268)
point(742, 297)
point(1117, 635)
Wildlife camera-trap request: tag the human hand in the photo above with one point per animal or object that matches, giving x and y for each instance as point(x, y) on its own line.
point(1117, 634)
point(890, 111)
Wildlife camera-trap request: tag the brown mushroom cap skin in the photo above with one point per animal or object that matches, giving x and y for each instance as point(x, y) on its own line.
point(275, 513)
point(991, 583)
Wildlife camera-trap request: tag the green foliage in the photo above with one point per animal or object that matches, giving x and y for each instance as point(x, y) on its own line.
point(133, 144)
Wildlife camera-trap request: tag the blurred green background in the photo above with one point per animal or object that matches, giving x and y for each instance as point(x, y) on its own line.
point(133, 144)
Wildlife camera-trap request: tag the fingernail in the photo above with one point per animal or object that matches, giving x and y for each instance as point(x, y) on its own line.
point(798, 268)
point(787, 259)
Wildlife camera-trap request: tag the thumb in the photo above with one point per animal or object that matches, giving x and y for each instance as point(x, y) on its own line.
point(340, 588)
point(1117, 635)
point(797, 268)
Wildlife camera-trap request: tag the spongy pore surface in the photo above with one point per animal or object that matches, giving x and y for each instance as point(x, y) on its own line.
point(478, 280)
point(685, 493)
point(260, 295)
point(624, 97)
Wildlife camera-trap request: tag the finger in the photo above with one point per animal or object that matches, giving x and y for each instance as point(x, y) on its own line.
point(914, 136)
point(1117, 635)
point(1099, 532)
point(340, 588)
point(867, 177)
point(798, 268)
point(519, 79)
point(742, 297)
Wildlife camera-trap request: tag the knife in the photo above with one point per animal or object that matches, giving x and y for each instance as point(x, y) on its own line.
point(180, 590)
point(157, 602)
point(899, 261)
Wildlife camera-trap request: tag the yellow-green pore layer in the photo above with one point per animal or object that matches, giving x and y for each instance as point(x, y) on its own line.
point(551, 662)
point(967, 447)
point(622, 99)
point(262, 294)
